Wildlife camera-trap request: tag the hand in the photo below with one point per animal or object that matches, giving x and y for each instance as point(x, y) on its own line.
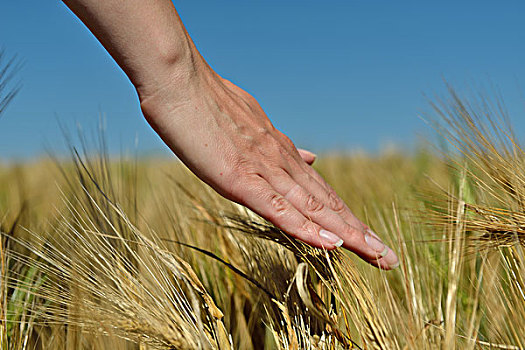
point(222, 134)
point(219, 131)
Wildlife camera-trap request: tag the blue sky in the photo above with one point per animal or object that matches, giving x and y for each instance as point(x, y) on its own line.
point(330, 74)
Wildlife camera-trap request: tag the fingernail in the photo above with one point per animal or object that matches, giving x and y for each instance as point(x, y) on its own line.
point(387, 255)
point(331, 238)
point(391, 259)
point(372, 233)
point(375, 243)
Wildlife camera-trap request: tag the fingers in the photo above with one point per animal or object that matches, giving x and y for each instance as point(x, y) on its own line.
point(294, 197)
point(383, 254)
point(307, 156)
point(335, 215)
point(387, 255)
point(257, 194)
point(316, 205)
point(337, 203)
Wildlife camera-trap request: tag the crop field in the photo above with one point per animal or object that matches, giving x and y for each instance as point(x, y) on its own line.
point(99, 252)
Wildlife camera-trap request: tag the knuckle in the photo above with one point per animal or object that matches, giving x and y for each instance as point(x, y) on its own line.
point(267, 146)
point(336, 203)
point(278, 203)
point(240, 164)
point(313, 205)
point(243, 166)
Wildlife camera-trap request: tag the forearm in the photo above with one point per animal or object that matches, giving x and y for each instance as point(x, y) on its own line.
point(145, 37)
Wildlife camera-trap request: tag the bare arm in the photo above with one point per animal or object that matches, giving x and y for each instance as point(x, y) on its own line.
point(219, 131)
point(145, 37)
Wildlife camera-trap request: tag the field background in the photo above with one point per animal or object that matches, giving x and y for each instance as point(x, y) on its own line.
point(109, 252)
point(446, 293)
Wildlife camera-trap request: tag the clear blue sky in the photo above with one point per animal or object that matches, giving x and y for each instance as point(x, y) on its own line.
point(330, 74)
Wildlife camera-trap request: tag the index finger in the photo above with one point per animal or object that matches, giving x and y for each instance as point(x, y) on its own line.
point(360, 239)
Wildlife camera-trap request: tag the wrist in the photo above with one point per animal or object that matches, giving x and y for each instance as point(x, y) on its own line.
point(166, 70)
point(175, 87)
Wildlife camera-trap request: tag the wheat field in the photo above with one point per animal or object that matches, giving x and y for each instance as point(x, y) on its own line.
point(100, 252)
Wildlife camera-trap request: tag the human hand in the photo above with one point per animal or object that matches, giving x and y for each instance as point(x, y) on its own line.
point(219, 130)
point(222, 134)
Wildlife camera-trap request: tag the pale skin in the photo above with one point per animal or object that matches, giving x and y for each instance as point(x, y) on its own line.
point(220, 131)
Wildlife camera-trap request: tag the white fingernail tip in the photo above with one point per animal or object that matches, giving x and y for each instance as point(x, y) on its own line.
point(384, 252)
point(391, 259)
point(331, 238)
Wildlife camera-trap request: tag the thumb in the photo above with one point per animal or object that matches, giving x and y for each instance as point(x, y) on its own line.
point(307, 156)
